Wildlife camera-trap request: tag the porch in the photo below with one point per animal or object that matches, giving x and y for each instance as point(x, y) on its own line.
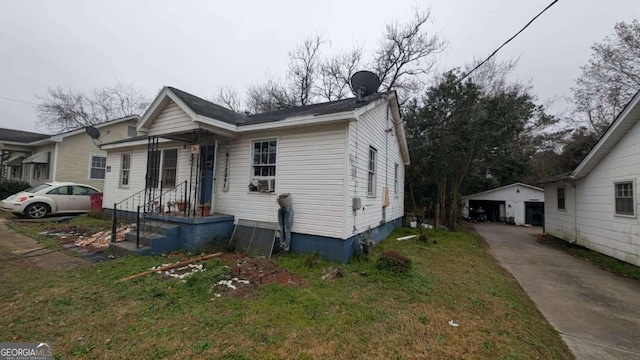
point(164, 233)
point(175, 209)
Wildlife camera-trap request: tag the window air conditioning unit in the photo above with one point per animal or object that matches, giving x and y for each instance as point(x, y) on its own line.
point(267, 185)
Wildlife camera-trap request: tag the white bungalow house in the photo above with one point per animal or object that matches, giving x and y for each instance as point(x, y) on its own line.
point(517, 203)
point(596, 205)
point(342, 162)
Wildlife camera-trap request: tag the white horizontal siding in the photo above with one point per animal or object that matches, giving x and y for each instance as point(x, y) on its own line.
point(113, 193)
point(598, 227)
point(557, 222)
point(172, 119)
point(310, 166)
point(370, 131)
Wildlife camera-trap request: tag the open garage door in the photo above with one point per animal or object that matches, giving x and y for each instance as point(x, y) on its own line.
point(494, 210)
point(534, 213)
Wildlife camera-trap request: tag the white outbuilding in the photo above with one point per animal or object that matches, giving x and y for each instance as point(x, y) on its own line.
point(517, 203)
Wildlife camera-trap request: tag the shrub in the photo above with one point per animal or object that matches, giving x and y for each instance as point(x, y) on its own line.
point(394, 261)
point(10, 187)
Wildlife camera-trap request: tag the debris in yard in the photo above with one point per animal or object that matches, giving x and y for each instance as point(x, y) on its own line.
point(229, 283)
point(453, 323)
point(103, 238)
point(427, 226)
point(184, 271)
point(406, 237)
point(246, 274)
point(331, 273)
point(162, 268)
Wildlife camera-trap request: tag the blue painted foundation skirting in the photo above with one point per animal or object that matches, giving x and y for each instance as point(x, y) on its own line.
point(335, 249)
point(195, 232)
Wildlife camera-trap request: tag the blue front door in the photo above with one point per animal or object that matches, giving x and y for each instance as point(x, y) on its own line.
point(207, 156)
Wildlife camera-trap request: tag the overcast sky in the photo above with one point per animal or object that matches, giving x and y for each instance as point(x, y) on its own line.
point(199, 46)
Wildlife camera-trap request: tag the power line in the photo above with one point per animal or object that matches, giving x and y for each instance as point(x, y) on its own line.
point(18, 100)
point(506, 42)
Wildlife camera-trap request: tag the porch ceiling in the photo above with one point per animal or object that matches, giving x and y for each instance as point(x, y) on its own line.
point(199, 136)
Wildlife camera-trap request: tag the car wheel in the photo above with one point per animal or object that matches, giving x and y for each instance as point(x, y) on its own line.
point(37, 210)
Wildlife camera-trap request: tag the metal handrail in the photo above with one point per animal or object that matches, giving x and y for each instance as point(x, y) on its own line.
point(164, 219)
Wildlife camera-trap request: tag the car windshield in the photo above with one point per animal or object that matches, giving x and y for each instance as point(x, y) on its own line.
point(37, 188)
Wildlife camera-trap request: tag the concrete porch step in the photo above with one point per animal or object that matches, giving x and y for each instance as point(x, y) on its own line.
point(126, 248)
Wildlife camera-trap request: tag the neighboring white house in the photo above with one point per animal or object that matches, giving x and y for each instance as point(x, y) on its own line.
point(343, 163)
point(516, 203)
point(596, 205)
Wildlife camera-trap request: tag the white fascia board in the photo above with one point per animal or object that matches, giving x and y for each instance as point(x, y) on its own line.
point(399, 129)
point(300, 121)
point(361, 111)
point(59, 137)
point(217, 123)
point(154, 108)
point(635, 102)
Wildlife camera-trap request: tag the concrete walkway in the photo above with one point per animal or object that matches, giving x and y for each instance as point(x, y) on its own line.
point(21, 250)
point(596, 312)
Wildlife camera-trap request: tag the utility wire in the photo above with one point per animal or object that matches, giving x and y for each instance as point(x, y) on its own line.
point(506, 42)
point(17, 100)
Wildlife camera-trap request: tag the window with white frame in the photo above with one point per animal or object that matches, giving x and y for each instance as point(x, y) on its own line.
point(624, 198)
point(263, 165)
point(125, 169)
point(395, 180)
point(163, 166)
point(560, 198)
point(371, 179)
point(169, 167)
point(98, 167)
point(40, 171)
point(16, 172)
point(131, 131)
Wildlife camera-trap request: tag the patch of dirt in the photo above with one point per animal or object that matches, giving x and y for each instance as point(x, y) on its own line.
point(248, 273)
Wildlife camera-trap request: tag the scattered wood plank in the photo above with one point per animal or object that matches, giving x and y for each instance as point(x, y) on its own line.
point(406, 237)
point(170, 266)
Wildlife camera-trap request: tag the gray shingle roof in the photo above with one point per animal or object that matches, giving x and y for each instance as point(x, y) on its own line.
point(326, 108)
point(211, 110)
point(20, 136)
point(206, 108)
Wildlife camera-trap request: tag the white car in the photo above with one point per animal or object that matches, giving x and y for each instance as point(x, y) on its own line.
point(50, 198)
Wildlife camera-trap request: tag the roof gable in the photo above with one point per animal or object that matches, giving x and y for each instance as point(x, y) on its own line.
point(627, 118)
point(503, 188)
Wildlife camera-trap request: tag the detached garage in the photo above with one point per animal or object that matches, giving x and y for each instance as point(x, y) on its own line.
point(516, 203)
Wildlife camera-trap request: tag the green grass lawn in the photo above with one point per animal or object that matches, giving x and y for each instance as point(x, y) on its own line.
point(368, 313)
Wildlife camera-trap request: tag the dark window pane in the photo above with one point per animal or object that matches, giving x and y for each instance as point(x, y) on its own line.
point(272, 158)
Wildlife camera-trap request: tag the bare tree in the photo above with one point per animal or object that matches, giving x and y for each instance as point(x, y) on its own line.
point(406, 54)
point(63, 110)
point(610, 78)
point(268, 96)
point(228, 97)
point(335, 75)
point(304, 65)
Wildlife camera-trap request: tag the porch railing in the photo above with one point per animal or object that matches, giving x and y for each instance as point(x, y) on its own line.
point(136, 209)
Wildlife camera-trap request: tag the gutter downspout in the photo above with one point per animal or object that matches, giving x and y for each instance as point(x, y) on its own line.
point(54, 167)
point(575, 213)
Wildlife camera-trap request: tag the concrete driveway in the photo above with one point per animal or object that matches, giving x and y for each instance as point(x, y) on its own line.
point(597, 313)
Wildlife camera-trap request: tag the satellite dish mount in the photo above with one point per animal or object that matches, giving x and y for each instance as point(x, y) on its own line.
point(94, 133)
point(364, 83)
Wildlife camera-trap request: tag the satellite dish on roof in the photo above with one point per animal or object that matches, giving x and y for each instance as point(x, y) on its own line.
point(93, 132)
point(364, 83)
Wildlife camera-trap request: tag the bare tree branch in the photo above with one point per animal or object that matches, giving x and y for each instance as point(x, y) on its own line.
point(63, 110)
